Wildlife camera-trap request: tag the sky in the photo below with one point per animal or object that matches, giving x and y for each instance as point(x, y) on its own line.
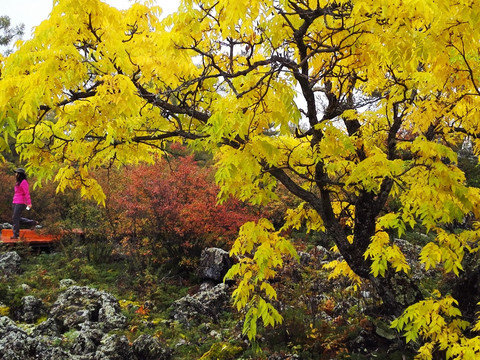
point(33, 12)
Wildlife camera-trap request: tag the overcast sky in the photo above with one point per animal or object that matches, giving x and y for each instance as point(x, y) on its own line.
point(33, 12)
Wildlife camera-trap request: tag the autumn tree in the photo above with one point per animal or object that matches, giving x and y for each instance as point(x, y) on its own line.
point(97, 86)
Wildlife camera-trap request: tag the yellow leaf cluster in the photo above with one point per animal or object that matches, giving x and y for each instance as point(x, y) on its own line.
point(340, 268)
point(438, 322)
point(382, 253)
point(242, 177)
point(448, 249)
point(260, 251)
point(303, 215)
point(368, 173)
point(435, 190)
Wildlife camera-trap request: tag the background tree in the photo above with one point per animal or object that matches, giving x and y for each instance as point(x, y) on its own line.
point(353, 77)
point(9, 33)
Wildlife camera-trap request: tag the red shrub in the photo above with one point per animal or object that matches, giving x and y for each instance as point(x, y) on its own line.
point(172, 205)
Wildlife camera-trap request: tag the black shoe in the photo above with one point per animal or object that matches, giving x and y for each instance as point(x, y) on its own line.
point(34, 226)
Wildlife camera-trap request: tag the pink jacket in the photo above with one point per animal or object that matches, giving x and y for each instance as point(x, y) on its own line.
point(22, 194)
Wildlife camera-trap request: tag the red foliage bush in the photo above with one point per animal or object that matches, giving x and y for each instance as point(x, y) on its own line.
point(172, 205)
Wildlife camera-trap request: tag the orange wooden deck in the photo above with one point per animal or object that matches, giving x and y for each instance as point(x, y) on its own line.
point(30, 237)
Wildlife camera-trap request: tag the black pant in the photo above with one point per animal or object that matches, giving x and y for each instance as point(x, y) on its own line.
point(18, 219)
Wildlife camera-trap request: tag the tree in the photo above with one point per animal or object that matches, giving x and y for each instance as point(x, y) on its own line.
point(353, 77)
point(8, 33)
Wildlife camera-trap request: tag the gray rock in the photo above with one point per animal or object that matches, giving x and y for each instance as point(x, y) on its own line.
point(79, 305)
point(146, 347)
point(76, 330)
point(48, 328)
point(214, 264)
point(5, 323)
point(25, 287)
point(66, 283)
point(86, 340)
point(52, 353)
point(10, 263)
point(305, 258)
point(215, 334)
point(180, 343)
point(323, 254)
point(216, 298)
point(15, 344)
point(189, 310)
point(114, 347)
point(30, 309)
point(206, 286)
point(283, 357)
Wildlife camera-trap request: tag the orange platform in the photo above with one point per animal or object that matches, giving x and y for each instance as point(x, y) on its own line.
point(30, 237)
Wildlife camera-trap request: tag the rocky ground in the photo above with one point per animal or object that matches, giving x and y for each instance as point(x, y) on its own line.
point(86, 324)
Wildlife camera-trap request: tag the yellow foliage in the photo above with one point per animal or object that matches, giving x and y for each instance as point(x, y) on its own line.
point(4, 310)
point(341, 268)
point(260, 250)
point(382, 253)
point(303, 215)
point(438, 322)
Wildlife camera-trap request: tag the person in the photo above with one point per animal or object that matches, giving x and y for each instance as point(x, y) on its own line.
point(21, 201)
